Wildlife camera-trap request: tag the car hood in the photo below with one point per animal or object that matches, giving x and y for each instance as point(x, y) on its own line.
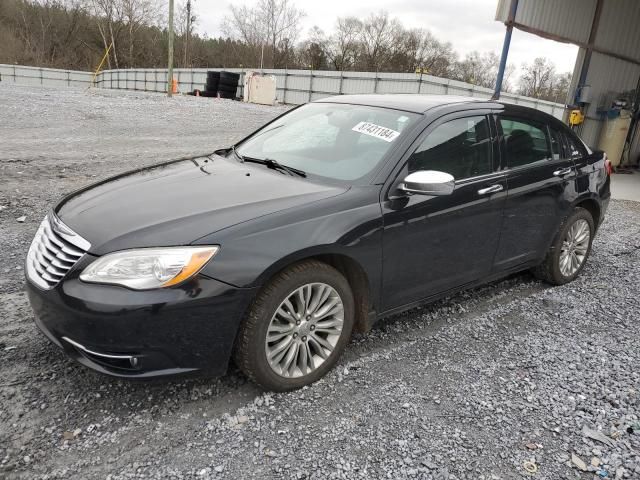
point(177, 202)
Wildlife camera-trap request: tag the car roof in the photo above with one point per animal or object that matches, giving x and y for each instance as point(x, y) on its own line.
point(410, 102)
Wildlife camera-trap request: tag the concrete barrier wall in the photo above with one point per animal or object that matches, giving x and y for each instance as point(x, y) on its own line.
point(50, 77)
point(293, 86)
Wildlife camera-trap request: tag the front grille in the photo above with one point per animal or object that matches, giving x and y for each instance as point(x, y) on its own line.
point(54, 251)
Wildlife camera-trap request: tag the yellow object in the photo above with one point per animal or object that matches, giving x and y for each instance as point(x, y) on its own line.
point(101, 62)
point(613, 136)
point(576, 117)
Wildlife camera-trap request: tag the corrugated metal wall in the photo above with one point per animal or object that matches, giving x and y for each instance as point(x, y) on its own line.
point(618, 33)
point(619, 28)
point(607, 77)
point(44, 76)
point(301, 86)
point(570, 19)
point(293, 86)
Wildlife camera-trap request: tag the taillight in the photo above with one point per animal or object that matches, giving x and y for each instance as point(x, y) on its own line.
point(607, 165)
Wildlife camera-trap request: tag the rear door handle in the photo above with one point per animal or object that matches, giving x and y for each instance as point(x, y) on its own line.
point(491, 189)
point(563, 171)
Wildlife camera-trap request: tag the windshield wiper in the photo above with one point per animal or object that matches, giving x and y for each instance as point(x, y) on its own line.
point(269, 162)
point(274, 164)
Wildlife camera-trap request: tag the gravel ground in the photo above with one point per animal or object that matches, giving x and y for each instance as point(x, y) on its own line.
point(484, 385)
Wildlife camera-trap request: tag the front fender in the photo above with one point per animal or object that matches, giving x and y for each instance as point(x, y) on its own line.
point(348, 225)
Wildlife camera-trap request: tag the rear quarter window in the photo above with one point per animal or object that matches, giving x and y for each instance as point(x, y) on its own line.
point(575, 147)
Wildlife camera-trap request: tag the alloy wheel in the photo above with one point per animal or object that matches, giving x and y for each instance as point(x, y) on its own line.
point(304, 330)
point(574, 247)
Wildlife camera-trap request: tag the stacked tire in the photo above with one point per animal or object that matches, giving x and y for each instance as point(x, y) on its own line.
point(228, 84)
point(223, 84)
point(212, 82)
point(211, 87)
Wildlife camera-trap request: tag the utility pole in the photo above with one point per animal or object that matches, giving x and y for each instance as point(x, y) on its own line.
point(170, 48)
point(186, 43)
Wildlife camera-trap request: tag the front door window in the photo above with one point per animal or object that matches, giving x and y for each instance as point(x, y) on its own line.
point(460, 147)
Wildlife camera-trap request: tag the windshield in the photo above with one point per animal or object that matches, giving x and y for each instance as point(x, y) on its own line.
point(338, 141)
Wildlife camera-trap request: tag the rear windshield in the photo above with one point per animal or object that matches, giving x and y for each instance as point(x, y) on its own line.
point(338, 141)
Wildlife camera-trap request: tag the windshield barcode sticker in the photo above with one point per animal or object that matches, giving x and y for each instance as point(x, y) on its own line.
point(377, 131)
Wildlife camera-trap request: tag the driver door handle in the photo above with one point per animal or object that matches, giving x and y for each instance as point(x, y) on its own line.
point(491, 189)
point(562, 172)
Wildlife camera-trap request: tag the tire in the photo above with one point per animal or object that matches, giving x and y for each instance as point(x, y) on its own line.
point(211, 86)
point(224, 94)
point(229, 77)
point(212, 75)
point(552, 269)
point(228, 85)
point(270, 312)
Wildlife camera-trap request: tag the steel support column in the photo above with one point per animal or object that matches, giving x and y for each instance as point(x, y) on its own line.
point(505, 49)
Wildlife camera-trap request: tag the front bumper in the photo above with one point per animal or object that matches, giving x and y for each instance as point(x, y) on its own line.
point(140, 334)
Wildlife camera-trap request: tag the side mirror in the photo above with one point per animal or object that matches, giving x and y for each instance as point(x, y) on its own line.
point(428, 182)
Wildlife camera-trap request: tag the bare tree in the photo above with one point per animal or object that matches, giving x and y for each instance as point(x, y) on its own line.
point(344, 44)
point(185, 21)
point(271, 23)
point(419, 49)
point(313, 52)
point(135, 14)
point(537, 78)
point(509, 71)
point(376, 37)
point(559, 90)
point(437, 57)
point(478, 69)
point(110, 21)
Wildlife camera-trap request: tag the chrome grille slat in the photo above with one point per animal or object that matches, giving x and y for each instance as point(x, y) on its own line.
point(54, 271)
point(49, 278)
point(54, 251)
point(58, 263)
point(49, 245)
point(57, 252)
point(41, 250)
point(62, 245)
point(37, 266)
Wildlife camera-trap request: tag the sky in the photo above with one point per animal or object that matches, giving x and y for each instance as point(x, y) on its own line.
point(468, 24)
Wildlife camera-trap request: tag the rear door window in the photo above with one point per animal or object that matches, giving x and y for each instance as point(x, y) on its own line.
point(526, 141)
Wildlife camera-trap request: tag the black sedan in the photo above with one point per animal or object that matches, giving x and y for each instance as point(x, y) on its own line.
point(333, 215)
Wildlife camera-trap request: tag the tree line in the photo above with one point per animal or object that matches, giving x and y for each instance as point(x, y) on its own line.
point(74, 34)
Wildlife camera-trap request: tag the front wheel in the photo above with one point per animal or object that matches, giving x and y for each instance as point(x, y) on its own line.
point(570, 249)
point(296, 328)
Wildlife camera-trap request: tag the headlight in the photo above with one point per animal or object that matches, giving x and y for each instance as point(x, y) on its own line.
point(149, 267)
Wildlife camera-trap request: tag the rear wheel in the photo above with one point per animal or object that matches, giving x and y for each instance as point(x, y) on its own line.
point(296, 328)
point(570, 249)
